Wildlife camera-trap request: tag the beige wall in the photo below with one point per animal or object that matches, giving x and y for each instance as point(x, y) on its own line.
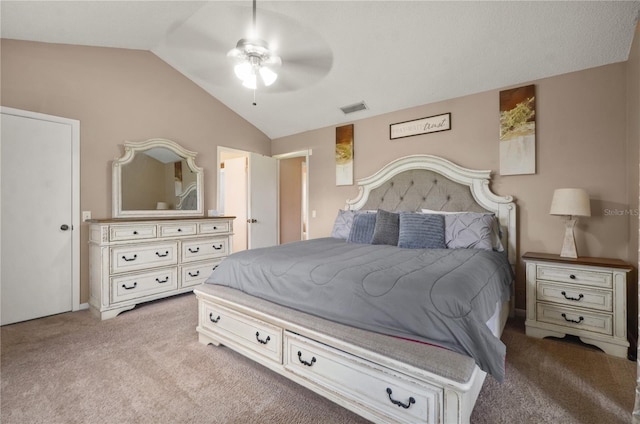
point(120, 95)
point(581, 142)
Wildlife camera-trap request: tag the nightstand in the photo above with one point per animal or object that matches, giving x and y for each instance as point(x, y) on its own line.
point(585, 297)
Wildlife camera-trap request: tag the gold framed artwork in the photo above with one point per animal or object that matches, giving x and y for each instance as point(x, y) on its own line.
point(344, 155)
point(518, 131)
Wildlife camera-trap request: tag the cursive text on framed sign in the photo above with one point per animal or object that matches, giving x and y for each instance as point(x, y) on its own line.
point(426, 125)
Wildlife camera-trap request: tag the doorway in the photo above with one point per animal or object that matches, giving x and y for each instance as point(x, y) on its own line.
point(248, 190)
point(293, 180)
point(40, 225)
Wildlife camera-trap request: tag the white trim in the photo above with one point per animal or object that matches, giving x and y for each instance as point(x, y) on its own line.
point(75, 192)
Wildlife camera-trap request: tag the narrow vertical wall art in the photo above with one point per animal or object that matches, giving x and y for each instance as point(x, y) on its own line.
point(344, 155)
point(518, 131)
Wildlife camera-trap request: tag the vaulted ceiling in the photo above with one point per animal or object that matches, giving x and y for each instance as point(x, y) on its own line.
point(390, 54)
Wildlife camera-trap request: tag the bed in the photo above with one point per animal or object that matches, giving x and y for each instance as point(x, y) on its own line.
point(384, 363)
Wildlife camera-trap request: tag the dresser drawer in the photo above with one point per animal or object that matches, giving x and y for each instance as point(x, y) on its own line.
point(258, 336)
point(574, 295)
point(574, 276)
point(183, 229)
point(132, 286)
point(195, 274)
point(214, 227)
point(202, 249)
point(399, 397)
point(575, 318)
point(132, 232)
point(131, 258)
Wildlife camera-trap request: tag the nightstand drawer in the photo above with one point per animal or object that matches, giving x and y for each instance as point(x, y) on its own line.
point(574, 295)
point(574, 276)
point(575, 318)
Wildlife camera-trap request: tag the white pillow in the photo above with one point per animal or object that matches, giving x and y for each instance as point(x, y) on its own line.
point(468, 232)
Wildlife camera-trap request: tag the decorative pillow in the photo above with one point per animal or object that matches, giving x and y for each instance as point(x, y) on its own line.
point(342, 224)
point(469, 231)
point(387, 228)
point(362, 228)
point(421, 231)
point(496, 232)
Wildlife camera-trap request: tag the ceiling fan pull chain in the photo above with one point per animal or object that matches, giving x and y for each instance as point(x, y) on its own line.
point(254, 97)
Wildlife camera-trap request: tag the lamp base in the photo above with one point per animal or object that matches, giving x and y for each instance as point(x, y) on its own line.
point(569, 245)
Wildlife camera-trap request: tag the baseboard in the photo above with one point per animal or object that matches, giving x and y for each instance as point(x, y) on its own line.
point(83, 306)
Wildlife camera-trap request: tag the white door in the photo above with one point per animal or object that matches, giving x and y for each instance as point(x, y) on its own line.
point(235, 199)
point(37, 218)
point(263, 201)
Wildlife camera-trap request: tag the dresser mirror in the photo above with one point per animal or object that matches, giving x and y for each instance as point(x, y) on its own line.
point(156, 178)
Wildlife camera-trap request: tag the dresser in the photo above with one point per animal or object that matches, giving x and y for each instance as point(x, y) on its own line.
point(135, 261)
point(584, 297)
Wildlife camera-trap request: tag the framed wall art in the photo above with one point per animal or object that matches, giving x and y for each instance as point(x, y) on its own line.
point(518, 131)
point(426, 125)
point(344, 155)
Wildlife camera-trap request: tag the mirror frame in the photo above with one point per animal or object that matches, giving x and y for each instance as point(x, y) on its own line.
point(130, 150)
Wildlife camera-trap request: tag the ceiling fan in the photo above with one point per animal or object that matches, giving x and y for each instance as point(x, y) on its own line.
point(255, 62)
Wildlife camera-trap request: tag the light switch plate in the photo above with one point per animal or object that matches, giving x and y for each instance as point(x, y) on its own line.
point(86, 215)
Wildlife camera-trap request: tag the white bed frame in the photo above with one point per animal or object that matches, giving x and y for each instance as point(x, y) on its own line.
point(375, 385)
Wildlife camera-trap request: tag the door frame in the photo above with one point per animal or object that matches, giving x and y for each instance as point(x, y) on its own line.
point(75, 192)
point(305, 199)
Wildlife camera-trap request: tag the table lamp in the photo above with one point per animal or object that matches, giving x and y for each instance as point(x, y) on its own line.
point(571, 202)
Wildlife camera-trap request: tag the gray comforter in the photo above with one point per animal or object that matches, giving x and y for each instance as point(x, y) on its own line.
point(437, 296)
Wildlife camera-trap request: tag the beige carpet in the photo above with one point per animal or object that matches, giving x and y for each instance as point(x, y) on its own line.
point(146, 366)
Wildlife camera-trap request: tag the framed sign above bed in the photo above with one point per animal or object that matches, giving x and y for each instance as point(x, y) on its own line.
point(426, 125)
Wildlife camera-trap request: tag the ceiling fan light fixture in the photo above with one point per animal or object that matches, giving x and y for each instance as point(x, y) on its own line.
point(254, 60)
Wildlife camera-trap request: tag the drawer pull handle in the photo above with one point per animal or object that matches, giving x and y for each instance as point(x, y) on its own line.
point(179, 230)
point(135, 284)
point(194, 275)
point(162, 281)
point(194, 251)
point(265, 341)
point(303, 362)
point(577, 299)
point(135, 233)
point(217, 248)
point(572, 320)
point(397, 402)
point(129, 259)
point(212, 319)
point(214, 267)
point(160, 255)
point(215, 228)
point(573, 277)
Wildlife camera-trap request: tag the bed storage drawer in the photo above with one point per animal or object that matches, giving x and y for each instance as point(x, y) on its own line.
point(195, 274)
point(391, 394)
point(132, 286)
point(201, 249)
point(135, 257)
point(250, 333)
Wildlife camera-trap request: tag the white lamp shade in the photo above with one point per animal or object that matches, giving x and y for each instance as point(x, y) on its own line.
point(570, 201)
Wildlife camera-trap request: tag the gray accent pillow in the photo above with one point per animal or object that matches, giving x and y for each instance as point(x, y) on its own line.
point(342, 224)
point(496, 231)
point(387, 228)
point(421, 231)
point(362, 228)
point(469, 230)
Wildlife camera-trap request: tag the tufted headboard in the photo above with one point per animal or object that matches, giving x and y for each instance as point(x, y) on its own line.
point(420, 182)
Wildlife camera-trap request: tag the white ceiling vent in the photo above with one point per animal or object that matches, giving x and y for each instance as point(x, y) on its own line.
point(354, 108)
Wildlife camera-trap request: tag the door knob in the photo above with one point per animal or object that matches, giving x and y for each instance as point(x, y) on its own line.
point(64, 227)
point(252, 221)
